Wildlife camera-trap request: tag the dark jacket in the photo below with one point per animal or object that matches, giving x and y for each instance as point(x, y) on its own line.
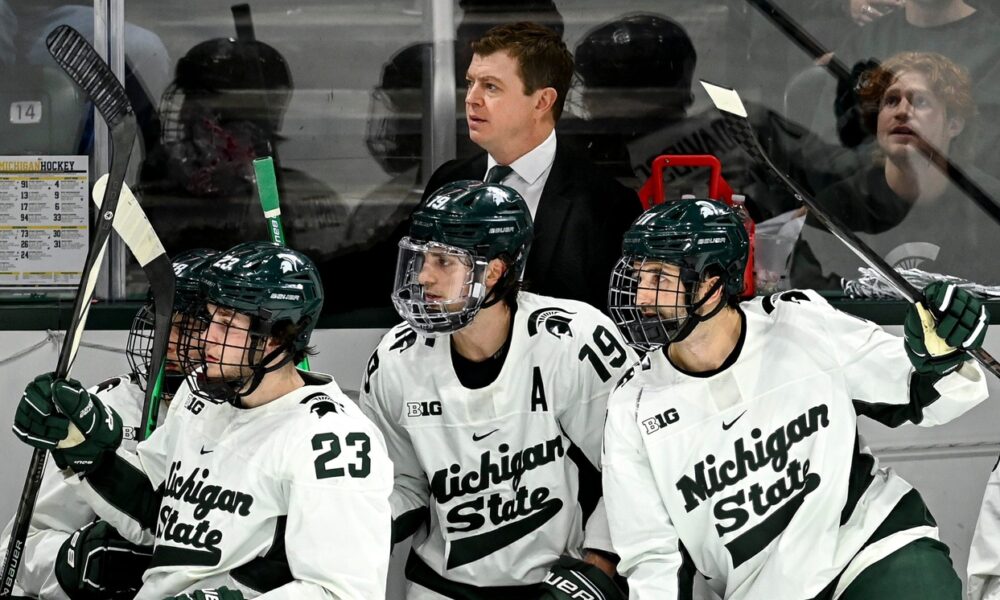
point(581, 219)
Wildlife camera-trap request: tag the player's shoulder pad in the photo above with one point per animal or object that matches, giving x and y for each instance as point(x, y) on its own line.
point(108, 384)
point(328, 409)
point(628, 379)
point(401, 338)
point(322, 404)
point(558, 318)
point(643, 364)
point(791, 300)
point(804, 306)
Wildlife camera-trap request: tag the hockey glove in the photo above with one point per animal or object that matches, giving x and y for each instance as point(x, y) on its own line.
point(938, 338)
point(222, 593)
point(37, 422)
point(572, 579)
point(96, 563)
point(51, 416)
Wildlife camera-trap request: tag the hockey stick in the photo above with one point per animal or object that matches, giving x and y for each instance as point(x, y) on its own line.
point(802, 38)
point(86, 68)
point(815, 49)
point(735, 119)
point(267, 190)
point(135, 230)
point(267, 181)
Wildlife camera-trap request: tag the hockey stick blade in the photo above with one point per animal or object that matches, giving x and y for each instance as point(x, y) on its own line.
point(138, 234)
point(81, 62)
point(735, 120)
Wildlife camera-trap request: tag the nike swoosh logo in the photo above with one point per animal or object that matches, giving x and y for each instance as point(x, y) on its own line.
point(203, 451)
point(476, 438)
point(726, 426)
point(474, 547)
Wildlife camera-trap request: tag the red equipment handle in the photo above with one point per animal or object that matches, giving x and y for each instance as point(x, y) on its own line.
point(654, 192)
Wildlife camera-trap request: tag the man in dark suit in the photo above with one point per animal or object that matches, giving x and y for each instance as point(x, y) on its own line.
point(517, 84)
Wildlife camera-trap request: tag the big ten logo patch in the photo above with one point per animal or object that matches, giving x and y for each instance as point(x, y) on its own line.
point(423, 409)
point(660, 421)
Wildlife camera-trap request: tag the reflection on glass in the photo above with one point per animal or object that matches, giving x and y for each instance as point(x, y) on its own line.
point(338, 94)
point(224, 108)
point(915, 216)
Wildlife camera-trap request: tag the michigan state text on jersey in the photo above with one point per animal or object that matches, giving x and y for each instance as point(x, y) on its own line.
point(732, 448)
point(263, 465)
point(492, 401)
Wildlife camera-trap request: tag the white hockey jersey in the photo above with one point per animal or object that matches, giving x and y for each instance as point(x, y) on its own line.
point(285, 500)
point(755, 474)
point(984, 555)
point(502, 470)
point(58, 511)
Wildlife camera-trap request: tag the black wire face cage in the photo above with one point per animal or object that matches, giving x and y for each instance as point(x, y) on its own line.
point(648, 303)
point(449, 295)
point(139, 345)
point(223, 359)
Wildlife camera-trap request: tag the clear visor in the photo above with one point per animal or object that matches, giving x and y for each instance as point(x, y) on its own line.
point(438, 288)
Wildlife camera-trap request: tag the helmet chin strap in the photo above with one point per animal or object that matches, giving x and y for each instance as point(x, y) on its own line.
point(693, 317)
point(234, 390)
point(491, 299)
point(259, 371)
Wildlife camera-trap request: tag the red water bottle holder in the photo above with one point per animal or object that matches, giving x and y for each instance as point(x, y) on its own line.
point(653, 192)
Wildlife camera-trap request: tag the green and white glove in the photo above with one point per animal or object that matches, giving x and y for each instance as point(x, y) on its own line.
point(37, 422)
point(62, 416)
point(100, 426)
point(96, 563)
point(940, 331)
point(222, 593)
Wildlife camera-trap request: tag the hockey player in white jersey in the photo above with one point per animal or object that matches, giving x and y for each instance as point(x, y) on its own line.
point(268, 482)
point(984, 555)
point(492, 401)
point(732, 448)
point(63, 525)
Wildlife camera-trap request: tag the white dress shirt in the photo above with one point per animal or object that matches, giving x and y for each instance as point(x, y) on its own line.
point(531, 171)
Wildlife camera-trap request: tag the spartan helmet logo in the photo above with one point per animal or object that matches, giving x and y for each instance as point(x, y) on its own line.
point(555, 320)
point(290, 263)
point(321, 405)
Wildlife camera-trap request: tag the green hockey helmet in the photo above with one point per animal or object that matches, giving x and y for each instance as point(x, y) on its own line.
point(441, 273)
point(703, 238)
point(281, 292)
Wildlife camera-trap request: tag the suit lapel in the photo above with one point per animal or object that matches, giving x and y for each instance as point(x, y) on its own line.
point(553, 209)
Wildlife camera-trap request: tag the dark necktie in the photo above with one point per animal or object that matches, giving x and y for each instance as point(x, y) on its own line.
point(497, 173)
